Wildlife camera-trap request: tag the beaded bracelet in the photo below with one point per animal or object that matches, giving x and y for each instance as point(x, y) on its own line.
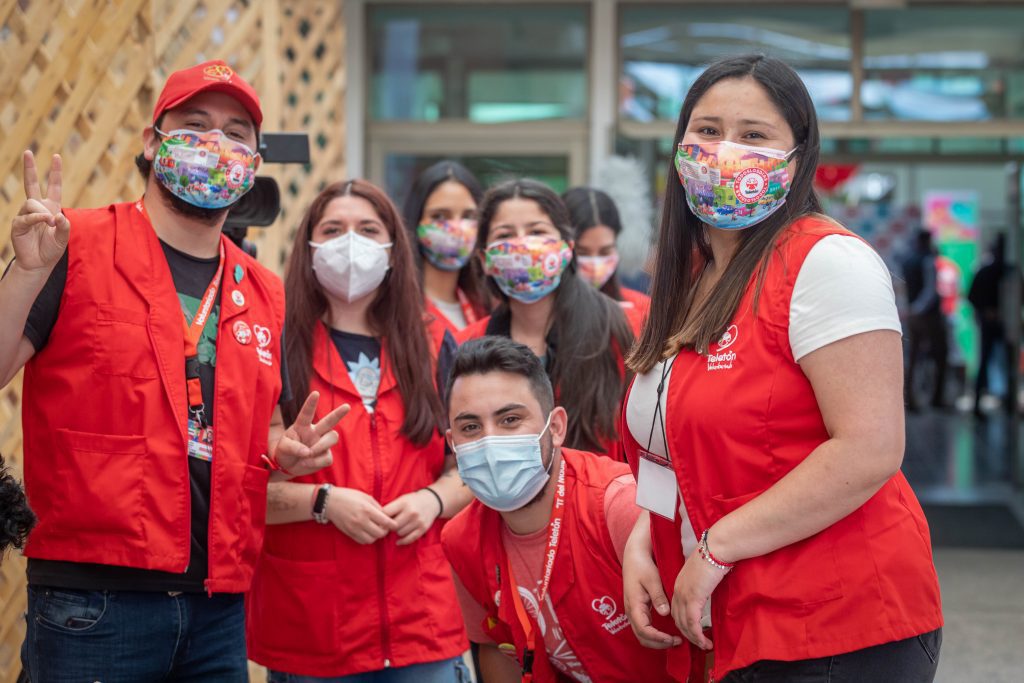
point(705, 552)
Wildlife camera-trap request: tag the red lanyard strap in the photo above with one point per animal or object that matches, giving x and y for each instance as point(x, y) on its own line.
point(554, 536)
point(193, 332)
point(467, 307)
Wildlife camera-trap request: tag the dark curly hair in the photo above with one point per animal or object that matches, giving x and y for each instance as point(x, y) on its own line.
point(16, 518)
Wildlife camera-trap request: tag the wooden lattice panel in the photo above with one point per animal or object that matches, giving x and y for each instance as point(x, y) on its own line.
point(79, 78)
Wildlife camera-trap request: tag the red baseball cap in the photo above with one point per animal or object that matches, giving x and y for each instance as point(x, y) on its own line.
point(212, 76)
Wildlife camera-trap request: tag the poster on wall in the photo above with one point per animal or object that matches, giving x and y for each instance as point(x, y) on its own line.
point(953, 217)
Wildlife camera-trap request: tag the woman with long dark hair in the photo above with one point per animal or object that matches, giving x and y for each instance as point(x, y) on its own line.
point(766, 416)
point(441, 216)
point(352, 578)
point(525, 243)
point(595, 218)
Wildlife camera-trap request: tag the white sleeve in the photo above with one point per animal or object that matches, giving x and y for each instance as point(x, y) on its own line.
point(843, 289)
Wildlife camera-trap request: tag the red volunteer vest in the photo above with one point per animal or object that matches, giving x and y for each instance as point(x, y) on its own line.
point(322, 604)
point(471, 314)
point(612, 447)
point(586, 576)
point(104, 412)
point(636, 305)
point(740, 419)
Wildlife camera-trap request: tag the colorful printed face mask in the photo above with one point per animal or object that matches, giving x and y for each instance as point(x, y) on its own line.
point(528, 268)
point(206, 169)
point(447, 244)
point(597, 270)
point(732, 186)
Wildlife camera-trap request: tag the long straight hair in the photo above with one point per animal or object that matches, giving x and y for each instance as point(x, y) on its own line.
point(585, 372)
point(683, 245)
point(588, 208)
point(396, 314)
point(471, 277)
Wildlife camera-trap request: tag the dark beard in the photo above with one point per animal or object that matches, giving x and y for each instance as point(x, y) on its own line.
point(211, 217)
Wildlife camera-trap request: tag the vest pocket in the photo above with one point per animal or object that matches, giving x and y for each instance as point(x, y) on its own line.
point(293, 608)
point(803, 573)
point(438, 604)
point(254, 486)
point(98, 485)
point(121, 345)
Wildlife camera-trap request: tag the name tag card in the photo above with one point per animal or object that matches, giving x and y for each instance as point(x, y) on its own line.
point(656, 488)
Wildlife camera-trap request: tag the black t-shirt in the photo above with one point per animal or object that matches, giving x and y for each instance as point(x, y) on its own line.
point(361, 355)
point(191, 277)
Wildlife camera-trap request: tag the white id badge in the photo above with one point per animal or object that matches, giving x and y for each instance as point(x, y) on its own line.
point(656, 488)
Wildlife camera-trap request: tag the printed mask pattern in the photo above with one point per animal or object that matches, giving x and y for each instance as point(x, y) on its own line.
point(528, 269)
point(447, 244)
point(733, 186)
point(207, 169)
point(597, 270)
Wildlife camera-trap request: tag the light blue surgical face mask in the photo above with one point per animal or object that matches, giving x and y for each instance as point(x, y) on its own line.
point(504, 472)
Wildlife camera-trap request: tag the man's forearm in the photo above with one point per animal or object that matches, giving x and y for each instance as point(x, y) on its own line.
point(18, 291)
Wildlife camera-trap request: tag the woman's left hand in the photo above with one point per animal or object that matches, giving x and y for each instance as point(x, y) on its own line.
point(414, 513)
point(696, 582)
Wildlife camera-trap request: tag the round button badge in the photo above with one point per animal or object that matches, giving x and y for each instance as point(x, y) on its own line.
point(243, 335)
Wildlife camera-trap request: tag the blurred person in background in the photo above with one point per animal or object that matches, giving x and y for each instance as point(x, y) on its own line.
point(986, 297)
point(526, 245)
point(441, 216)
point(16, 518)
point(927, 329)
point(596, 222)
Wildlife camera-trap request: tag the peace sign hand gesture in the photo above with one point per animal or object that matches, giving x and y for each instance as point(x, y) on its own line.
point(306, 447)
point(40, 231)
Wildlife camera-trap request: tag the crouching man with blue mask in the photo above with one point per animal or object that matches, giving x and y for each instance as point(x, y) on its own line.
point(538, 555)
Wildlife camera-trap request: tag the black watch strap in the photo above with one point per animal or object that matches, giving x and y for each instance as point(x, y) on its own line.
point(320, 503)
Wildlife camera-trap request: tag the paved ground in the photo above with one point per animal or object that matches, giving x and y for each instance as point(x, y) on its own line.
point(983, 602)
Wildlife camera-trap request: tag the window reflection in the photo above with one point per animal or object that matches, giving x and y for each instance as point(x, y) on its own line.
point(944, 64)
point(665, 48)
point(486, 64)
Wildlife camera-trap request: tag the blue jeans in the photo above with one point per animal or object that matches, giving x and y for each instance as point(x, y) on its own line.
point(913, 660)
point(134, 637)
point(446, 671)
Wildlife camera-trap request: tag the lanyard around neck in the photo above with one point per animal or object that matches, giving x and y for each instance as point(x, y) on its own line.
point(194, 331)
point(554, 536)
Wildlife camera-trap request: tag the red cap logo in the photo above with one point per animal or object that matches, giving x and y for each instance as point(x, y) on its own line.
point(212, 76)
point(218, 72)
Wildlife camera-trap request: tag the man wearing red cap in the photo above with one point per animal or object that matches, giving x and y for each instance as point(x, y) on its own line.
point(153, 372)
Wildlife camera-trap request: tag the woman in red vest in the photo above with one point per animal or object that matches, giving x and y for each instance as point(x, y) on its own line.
point(595, 219)
point(441, 216)
point(353, 579)
point(766, 417)
point(525, 242)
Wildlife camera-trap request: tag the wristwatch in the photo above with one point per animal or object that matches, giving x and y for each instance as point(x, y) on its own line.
point(320, 503)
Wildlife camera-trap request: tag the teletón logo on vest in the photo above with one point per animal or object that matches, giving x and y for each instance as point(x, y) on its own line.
point(606, 607)
point(262, 342)
point(720, 358)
